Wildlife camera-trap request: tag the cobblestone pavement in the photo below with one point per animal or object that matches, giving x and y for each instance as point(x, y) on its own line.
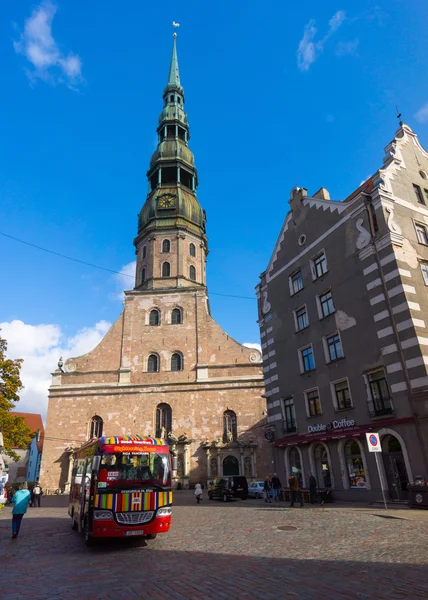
point(218, 551)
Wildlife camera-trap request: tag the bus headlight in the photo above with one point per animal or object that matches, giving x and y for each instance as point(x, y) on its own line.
point(103, 514)
point(164, 512)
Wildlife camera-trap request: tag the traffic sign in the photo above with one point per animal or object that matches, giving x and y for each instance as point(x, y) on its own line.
point(373, 442)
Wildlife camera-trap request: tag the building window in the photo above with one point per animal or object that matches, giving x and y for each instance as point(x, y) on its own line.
point(230, 430)
point(342, 395)
point(154, 318)
point(296, 282)
point(176, 362)
point(380, 399)
point(192, 250)
point(192, 273)
point(166, 269)
point(421, 233)
point(355, 465)
point(418, 192)
point(424, 269)
point(96, 427)
point(290, 415)
point(334, 347)
point(295, 465)
point(144, 251)
point(301, 317)
point(143, 275)
point(313, 402)
point(307, 356)
point(319, 265)
point(322, 467)
point(326, 304)
point(166, 246)
point(163, 420)
point(176, 316)
point(153, 363)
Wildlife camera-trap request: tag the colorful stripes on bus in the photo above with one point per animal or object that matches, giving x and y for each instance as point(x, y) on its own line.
point(109, 441)
point(132, 502)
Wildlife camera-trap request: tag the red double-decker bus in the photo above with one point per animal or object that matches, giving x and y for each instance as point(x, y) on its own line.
point(121, 487)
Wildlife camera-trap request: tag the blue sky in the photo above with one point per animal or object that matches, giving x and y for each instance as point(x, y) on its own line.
point(278, 95)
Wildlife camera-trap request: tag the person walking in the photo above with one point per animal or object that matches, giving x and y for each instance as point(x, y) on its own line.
point(313, 493)
point(20, 501)
point(36, 495)
point(276, 486)
point(198, 492)
point(294, 491)
point(267, 489)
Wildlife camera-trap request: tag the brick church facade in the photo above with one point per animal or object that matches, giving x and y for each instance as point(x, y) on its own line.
point(165, 368)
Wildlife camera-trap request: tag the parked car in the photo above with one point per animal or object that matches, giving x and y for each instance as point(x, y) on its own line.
point(227, 488)
point(256, 489)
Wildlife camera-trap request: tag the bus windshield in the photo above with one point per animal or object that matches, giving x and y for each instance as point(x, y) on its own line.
point(135, 468)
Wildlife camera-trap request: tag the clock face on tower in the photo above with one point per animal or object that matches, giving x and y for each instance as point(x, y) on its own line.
point(166, 201)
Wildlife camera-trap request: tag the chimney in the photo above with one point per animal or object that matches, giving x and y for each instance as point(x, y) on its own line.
point(322, 193)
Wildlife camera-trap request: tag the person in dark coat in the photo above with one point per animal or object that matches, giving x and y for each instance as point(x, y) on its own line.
point(276, 486)
point(313, 492)
point(267, 489)
point(294, 491)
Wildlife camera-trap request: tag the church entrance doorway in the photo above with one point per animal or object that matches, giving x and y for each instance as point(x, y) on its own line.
point(395, 468)
point(230, 466)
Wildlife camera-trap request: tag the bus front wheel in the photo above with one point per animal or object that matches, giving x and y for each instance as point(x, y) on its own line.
point(152, 536)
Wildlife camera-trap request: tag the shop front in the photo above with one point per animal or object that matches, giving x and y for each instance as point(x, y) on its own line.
point(338, 458)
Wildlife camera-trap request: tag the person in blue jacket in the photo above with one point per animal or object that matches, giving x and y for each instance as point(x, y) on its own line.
point(20, 500)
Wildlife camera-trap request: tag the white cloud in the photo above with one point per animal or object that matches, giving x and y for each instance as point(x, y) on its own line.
point(422, 114)
point(125, 280)
point(309, 49)
point(251, 345)
point(38, 45)
point(347, 48)
point(41, 346)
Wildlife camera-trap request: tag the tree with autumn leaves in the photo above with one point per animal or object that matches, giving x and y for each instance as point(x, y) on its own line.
point(16, 434)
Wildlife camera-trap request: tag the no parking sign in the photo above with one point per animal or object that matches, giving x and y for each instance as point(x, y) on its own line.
point(373, 442)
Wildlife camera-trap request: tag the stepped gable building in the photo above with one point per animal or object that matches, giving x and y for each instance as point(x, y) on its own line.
point(343, 307)
point(165, 368)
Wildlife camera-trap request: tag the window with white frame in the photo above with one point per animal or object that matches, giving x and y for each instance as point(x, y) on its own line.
point(290, 415)
point(421, 233)
point(380, 398)
point(418, 193)
point(319, 265)
point(296, 282)
point(325, 304)
point(301, 318)
point(307, 362)
point(313, 403)
point(334, 347)
point(424, 269)
point(341, 395)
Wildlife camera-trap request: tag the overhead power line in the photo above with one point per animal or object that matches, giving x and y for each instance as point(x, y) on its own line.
point(88, 264)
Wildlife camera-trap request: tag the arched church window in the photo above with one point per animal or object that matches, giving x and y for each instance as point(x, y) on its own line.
point(230, 429)
point(143, 275)
point(144, 251)
point(176, 316)
point(192, 250)
point(163, 420)
point(166, 246)
point(154, 318)
point(96, 427)
point(153, 363)
point(176, 362)
point(166, 269)
point(192, 273)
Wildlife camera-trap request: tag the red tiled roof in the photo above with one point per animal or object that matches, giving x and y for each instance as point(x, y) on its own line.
point(35, 423)
point(367, 187)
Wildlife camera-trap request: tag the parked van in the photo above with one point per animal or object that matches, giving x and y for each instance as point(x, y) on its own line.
point(227, 488)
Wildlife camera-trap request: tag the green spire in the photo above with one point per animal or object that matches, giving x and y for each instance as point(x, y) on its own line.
point(174, 74)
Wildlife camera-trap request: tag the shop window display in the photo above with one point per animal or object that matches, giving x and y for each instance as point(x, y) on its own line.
point(355, 465)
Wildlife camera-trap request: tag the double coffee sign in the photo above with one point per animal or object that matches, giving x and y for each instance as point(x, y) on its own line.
point(342, 424)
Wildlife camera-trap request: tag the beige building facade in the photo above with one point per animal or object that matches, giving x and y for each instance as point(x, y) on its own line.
point(165, 368)
point(343, 314)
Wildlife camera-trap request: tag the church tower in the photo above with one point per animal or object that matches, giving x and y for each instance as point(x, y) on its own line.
point(171, 244)
point(165, 368)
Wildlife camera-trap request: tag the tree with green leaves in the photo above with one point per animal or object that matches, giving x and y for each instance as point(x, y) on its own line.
point(16, 434)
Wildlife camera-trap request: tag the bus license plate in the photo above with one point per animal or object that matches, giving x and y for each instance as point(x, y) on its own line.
point(139, 532)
